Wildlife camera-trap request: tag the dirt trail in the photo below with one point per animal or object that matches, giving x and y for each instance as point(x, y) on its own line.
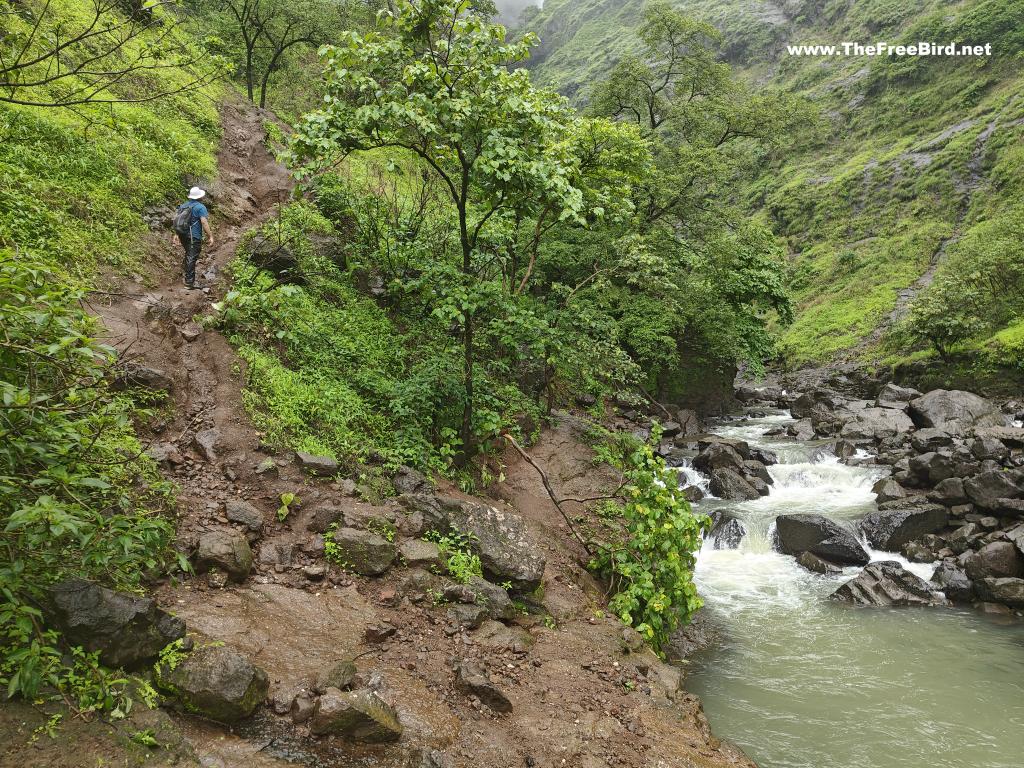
point(579, 700)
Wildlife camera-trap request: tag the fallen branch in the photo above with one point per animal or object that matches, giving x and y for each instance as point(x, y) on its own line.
point(551, 492)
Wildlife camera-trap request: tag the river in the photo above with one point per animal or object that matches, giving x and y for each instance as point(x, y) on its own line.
point(799, 681)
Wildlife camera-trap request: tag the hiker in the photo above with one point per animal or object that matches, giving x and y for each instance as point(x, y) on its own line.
point(191, 221)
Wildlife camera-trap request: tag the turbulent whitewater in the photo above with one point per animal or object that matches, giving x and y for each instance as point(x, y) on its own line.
point(799, 681)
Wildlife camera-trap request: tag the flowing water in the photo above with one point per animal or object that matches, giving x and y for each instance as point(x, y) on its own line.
point(799, 681)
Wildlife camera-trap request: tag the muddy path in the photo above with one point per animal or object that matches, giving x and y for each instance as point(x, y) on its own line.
point(578, 697)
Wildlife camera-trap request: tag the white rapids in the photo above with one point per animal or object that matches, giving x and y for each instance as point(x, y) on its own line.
point(799, 681)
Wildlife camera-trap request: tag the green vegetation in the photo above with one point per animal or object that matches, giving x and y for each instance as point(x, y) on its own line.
point(655, 536)
point(456, 548)
point(917, 162)
point(83, 150)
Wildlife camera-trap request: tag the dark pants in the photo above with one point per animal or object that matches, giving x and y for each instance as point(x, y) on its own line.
point(192, 246)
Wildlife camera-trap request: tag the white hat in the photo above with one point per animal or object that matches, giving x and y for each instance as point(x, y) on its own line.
point(196, 193)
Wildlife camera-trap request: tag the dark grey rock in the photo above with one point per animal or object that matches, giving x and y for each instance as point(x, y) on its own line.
point(954, 411)
point(727, 531)
point(339, 675)
point(472, 679)
point(216, 682)
point(468, 615)
point(815, 564)
point(888, 489)
point(143, 376)
point(891, 529)
point(126, 629)
point(360, 716)
point(322, 518)
point(418, 553)
point(238, 511)
point(206, 443)
point(952, 581)
point(926, 440)
point(719, 456)
point(408, 480)
point(481, 592)
point(729, 484)
point(949, 492)
point(887, 584)
point(820, 536)
point(983, 448)
point(364, 552)
point(997, 559)
point(988, 489)
point(226, 550)
point(1009, 591)
point(500, 538)
point(893, 396)
point(321, 466)
point(876, 423)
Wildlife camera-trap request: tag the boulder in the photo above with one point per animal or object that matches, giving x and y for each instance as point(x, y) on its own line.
point(952, 581)
point(796, 534)
point(762, 455)
point(689, 423)
point(887, 584)
point(472, 679)
point(1011, 436)
point(238, 511)
point(949, 492)
point(408, 480)
point(500, 538)
point(888, 489)
point(467, 615)
point(891, 529)
point(1008, 591)
point(322, 518)
point(926, 440)
point(876, 423)
point(216, 682)
point(126, 629)
point(960, 540)
point(136, 375)
point(752, 469)
point(360, 716)
point(206, 442)
point(815, 564)
point(481, 592)
point(802, 429)
point(340, 676)
point(364, 552)
point(321, 466)
point(729, 484)
point(719, 456)
point(983, 448)
point(934, 466)
point(418, 553)
point(997, 559)
point(224, 549)
point(726, 530)
point(893, 396)
point(988, 489)
point(1016, 535)
point(954, 411)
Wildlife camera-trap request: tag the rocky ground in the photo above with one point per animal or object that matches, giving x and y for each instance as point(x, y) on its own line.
point(331, 635)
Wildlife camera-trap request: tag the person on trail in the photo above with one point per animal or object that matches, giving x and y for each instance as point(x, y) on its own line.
point(191, 221)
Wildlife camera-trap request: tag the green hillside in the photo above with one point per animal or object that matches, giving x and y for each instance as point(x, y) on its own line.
point(902, 215)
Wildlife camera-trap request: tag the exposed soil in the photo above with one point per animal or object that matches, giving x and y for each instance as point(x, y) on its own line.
point(579, 699)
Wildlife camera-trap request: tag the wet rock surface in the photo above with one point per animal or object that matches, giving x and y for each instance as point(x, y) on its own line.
point(796, 534)
point(216, 682)
point(886, 584)
point(126, 629)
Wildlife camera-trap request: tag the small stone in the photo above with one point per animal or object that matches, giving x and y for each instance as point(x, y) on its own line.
point(266, 467)
point(357, 715)
point(339, 675)
point(243, 512)
point(377, 633)
point(471, 679)
point(321, 466)
point(418, 553)
point(190, 331)
point(302, 708)
point(224, 549)
point(217, 682)
point(364, 552)
point(205, 443)
point(315, 572)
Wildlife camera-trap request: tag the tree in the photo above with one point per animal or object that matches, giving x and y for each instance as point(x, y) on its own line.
point(265, 31)
point(435, 79)
point(47, 60)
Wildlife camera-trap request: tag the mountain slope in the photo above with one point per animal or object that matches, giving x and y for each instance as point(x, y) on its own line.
point(910, 192)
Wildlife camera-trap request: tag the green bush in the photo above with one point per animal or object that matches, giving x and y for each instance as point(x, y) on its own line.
point(77, 494)
point(650, 559)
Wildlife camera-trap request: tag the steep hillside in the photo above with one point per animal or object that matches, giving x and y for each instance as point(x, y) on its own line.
point(901, 216)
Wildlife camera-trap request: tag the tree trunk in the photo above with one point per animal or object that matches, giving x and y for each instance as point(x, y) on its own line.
point(467, 334)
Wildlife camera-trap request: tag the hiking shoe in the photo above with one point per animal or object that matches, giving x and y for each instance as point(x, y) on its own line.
point(193, 287)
